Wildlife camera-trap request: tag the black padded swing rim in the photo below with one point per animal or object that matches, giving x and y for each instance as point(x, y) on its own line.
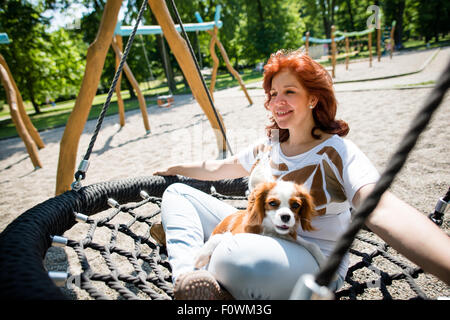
point(25, 241)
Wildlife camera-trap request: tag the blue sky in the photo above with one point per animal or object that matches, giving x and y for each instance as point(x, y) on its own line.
point(70, 16)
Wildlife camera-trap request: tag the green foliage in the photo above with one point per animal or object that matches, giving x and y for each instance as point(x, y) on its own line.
point(433, 18)
point(272, 25)
point(44, 65)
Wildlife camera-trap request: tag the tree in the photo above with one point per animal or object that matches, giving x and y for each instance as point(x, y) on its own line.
point(25, 54)
point(394, 10)
point(270, 26)
point(65, 67)
point(327, 11)
point(309, 12)
point(433, 17)
point(44, 65)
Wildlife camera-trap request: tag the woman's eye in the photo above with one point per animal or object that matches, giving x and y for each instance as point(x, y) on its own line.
point(273, 94)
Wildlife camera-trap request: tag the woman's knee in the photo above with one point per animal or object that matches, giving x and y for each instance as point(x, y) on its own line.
point(177, 188)
point(171, 196)
point(170, 200)
point(237, 275)
point(252, 266)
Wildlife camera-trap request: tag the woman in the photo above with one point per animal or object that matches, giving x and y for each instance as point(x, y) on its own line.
point(304, 145)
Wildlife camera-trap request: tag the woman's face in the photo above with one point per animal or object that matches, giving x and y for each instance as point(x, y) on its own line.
point(289, 102)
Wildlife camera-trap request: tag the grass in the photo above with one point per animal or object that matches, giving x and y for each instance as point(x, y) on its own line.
point(421, 45)
point(56, 116)
point(419, 84)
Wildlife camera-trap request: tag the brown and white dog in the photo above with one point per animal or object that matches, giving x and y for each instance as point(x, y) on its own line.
point(274, 209)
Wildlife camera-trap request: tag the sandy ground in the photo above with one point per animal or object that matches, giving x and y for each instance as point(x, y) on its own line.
point(378, 112)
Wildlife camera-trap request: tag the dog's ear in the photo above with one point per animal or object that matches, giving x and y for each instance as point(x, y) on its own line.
point(307, 211)
point(256, 211)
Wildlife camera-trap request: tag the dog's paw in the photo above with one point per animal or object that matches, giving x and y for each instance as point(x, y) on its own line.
point(202, 259)
point(205, 253)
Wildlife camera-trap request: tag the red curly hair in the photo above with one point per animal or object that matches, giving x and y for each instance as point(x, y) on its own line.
point(317, 82)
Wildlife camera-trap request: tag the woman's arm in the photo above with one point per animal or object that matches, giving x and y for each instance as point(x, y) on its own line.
point(229, 168)
point(409, 232)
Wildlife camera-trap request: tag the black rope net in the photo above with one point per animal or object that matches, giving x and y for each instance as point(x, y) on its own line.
point(113, 256)
point(377, 272)
point(116, 256)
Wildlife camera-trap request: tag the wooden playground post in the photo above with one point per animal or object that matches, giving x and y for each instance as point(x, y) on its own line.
point(333, 52)
point(135, 86)
point(369, 37)
point(11, 97)
point(347, 51)
point(307, 43)
point(95, 60)
point(392, 42)
point(215, 41)
point(212, 50)
point(379, 43)
point(21, 107)
point(187, 64)
point(120, 103)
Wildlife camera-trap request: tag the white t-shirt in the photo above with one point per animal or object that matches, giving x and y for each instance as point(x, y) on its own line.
point(332, 171)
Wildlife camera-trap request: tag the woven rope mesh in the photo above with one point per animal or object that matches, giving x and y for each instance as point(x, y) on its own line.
point(113, 256)
point(377, 272)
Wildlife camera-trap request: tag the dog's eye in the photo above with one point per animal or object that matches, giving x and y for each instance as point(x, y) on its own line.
point(273, 203)
point(295, 205)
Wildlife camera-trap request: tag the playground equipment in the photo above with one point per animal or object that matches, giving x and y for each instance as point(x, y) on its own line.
point(308, 39)
point(94, 63)
point(388, 40)
point(210, 27)
point(19, 116)
point(216, 42)
point(337, 36)
point(165, 101)
point(367, 32)
point(332, 41)
point(118, 48)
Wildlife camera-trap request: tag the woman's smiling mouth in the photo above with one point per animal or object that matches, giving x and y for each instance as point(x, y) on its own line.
point(283, 113)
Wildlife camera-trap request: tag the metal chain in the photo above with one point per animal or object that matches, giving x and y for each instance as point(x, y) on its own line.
point(81, 173)
point(177, 15)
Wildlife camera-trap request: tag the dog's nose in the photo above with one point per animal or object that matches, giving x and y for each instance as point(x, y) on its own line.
point(285, 217)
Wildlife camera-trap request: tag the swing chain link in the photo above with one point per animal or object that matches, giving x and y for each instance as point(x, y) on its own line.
point(438, 215)
point(80, 174)
point(307, 288)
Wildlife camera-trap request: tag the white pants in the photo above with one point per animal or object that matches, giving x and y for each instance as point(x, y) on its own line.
point(249, 266)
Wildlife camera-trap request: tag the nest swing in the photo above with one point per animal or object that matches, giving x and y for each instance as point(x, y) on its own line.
point(25, 242)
